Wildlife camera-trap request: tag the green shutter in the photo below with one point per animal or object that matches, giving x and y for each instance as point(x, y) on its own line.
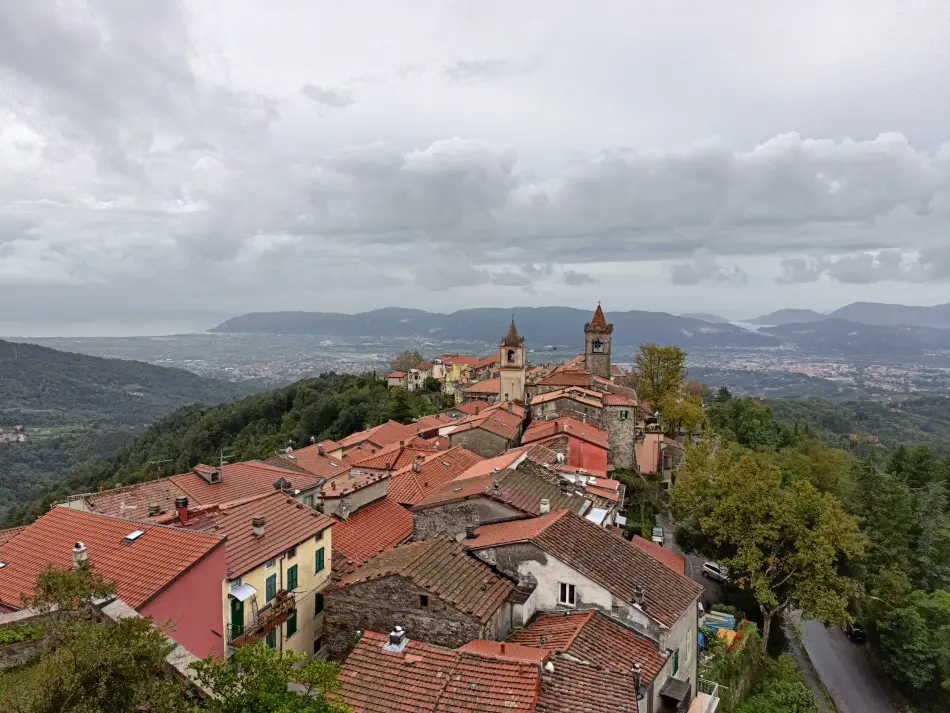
point(292, 578)
point(318, 604)
point(271, 639)
point(676, 661)
point(292, 624)
point(320, 562)
point(270, 590)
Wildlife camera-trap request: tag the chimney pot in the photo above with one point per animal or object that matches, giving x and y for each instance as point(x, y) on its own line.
point(258, 524)
point(469, 532)
point(545, 506)
point(416, 468)
point(320, 449)
point(181, 505)
point(154, 510)
point(80, 555)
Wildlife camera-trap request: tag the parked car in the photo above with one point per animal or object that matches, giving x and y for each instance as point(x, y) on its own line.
point(715, 572)
point(855, 633)
point(658, 535)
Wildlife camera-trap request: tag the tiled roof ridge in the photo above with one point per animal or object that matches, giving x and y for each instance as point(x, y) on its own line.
point(149, 523)
point(577, 631)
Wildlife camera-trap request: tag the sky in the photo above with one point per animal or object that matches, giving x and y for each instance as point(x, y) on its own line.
point(172, 164)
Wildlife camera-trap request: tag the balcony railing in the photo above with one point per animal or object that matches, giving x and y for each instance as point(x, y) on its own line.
point(267, 619)
point(711, 689)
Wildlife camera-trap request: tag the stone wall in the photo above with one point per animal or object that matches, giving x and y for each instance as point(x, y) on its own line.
point(381, 604)
point(622, 436)
point(594, 414)
point(451, 519)
point(20, 653)
point(480, 441)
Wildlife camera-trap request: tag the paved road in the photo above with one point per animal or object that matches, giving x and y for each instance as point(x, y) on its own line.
point(844, 669)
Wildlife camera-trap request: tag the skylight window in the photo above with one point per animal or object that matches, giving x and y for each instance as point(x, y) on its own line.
point(2, 565)
point(133, 536)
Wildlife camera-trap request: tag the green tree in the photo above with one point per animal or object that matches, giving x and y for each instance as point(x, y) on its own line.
point(658, 374)
point(432, 385)
point(783, 543)
point(406, 360)
point(781, 690)
point(915, 640)
point(260, 681)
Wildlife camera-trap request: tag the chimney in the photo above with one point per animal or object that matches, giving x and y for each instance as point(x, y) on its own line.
point(258, 523)
point(80, 556)
point(416, 468)
point(510, 409)
point(397, 640)
point(320, 449)
point(637, 678)
point(470, 532)
point(154, 510)
point(545, 506)
point(641, 595)
point(181, 505)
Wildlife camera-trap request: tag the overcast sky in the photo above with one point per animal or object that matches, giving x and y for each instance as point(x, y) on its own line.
point(167, 162)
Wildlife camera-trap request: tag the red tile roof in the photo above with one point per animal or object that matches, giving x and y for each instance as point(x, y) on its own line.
point(598, 320)
point(594, 638)
point(350, 483)
point(288, 523)
point(675, 562)
point(586, 688)
point(323, 466)
point(482, 388)
point(370, 530)
point(240, 480)
point(443, 568)
point(566, 378)
point(584, 431)
point(10, 533)
point(494, 420)
point(396, 375)
point(428, 679)
point(379, 436)
point(459, 359)
point(486, 361)
point(436, 420)
point(611, 561)
point(408, 487)
point(141, 570)
point(396, 455)
point(619, 400)
point(134, 500)
point(505, 651)
point(472, 407)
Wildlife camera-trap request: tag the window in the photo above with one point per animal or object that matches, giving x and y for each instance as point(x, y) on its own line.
point(423, 601)
point(235, 583)
point(320, 561)
point(291, 553)
point(292, 578)
point(270, 588)
point(318, 605)
point(292, 624)
point(319, 537)
point(270, 564)
point(566, 594)
point(624, 414)
point(308, 500)
point(676, 661)
point(317, 645)
point(271, 639)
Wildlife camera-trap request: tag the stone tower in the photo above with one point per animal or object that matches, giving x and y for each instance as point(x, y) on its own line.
point(513, 365)
point(597, 344)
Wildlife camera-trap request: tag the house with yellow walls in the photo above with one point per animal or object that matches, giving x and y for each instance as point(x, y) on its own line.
point(278, 566)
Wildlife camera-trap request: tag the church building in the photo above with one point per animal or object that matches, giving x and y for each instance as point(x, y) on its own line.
point(597, 334)
point(513, 365)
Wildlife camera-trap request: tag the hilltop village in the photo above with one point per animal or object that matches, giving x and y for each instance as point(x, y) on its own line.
point(473, 560)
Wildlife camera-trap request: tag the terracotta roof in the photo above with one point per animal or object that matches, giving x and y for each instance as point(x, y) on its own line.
point(649, 451)
point(495, 420)
point(323, 466)
point(370, 530)
point(505, 651)
point(408, 487)
point(489, 386)
point(488, 466)
point(350, 483)
point(428, 679)
point(486, 361)
point(443, 568)
point(133, 500)
point(611, 561)
point(288, 523)
point(586, 688)
point(584, 431)
point(141, 570)
point(574, 393)
point(617, 370)
point(381, 435)
point(619, 400)
point(598, 320)
point(10, 533)
point(566, 378)
point(394, 456)
point(675, 562)
point(396, 375)
point(594, 638)
point(459, 359)
point(512, 338)
point(436, 420)
point(240, 480)
point(472, 407)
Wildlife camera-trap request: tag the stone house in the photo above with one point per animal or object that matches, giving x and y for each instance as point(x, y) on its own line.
point(582, 445)
point(492, 431)
point(575, 564)
point(431, 588)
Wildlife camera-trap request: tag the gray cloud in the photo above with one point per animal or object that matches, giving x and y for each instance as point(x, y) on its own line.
point(575, 279)
point(334, 98)
point(144, 146)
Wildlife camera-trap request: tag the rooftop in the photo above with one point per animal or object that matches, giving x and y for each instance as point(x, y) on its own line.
point(381, 435)
point(675, 562)
point(320, 464)
point(611, 561)
point(395, 455)
point(415, 482)
point(351, 482)
point(489, 386)
point(443, 568)
point(370, 530)
point(134, 500)
point(141, 568)
point(540, 430)
point(239, 480)
point(494, 420)
point(422, 678)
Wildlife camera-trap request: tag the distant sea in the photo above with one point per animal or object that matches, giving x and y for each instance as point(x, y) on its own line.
point(24, 330)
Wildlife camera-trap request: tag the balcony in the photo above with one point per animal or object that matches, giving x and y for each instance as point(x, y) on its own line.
point(707, 697)
point(264, 621)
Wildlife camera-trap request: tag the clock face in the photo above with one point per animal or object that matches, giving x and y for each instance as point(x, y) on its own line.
point(598, 345)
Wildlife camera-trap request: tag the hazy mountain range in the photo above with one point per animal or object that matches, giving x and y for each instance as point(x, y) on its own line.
point(874, 313)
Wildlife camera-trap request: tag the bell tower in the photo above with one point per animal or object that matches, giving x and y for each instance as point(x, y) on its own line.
point(512, 365)
point(597, 344)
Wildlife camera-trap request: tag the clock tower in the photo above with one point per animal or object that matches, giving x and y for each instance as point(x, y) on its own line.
point(597, 344)
point(512, 365)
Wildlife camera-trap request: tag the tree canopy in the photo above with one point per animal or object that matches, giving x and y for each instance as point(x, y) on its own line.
point(406, 360)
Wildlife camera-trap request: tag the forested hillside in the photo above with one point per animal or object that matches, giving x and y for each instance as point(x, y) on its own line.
point(76, 409)
point(330, 406)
